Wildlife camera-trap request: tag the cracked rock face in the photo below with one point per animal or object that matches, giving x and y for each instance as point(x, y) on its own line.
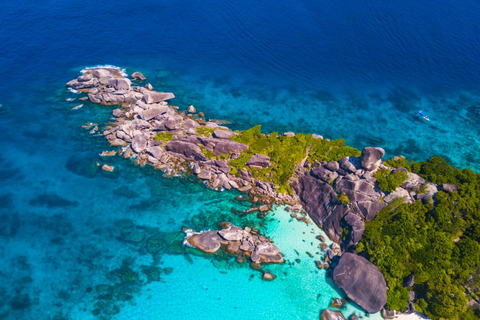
point(328, 314)
point(362, 282)
point(371, 158)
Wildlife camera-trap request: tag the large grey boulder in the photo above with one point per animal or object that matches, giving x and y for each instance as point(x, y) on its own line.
point(154, 97)
point(328, 314)
point(232, 233)
point(120, 83)
point(370, 208)
point(324, 174)
point(138, 76)
point(448, 187)
point(362, 282)
point(174, 122)
point(413, 181)
point(155, 151)
point(103, 72)
point(371, 158)
point(226, 146)
point(267, 248)
point(388, 314)
point(332, 166)
point(187, 149)
point(189, 123)
point(75, 84)
point(348, 165)
point(259, 160)
point(356, 225)
point(223, 134)
point(208, 242)
point(85, 77)
point(151, 113)
point(321, 202)
point(139, 143)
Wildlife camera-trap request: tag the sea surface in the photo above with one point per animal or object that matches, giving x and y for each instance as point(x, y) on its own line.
point(78, 244)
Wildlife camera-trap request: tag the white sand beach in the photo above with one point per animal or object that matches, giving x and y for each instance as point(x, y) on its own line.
point(413, 316)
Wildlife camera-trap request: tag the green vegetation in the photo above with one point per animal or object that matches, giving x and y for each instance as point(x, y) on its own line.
point(344, 199)
point(399, 162)
point(207, 132)
point(418, 239)
point(285, 153)
point(207, 153)
point(389, 181)
point(164, 136)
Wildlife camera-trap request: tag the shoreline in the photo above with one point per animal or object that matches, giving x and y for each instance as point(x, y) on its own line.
point(149, 131)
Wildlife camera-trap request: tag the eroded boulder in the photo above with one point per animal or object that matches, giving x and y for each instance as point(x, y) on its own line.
point(223, 134)
point(259, 160)
point(208, 242)
point(187, 149)
point(362, 282)
point(154, 97)
point(138, 76)
point(371, 158)
point(328, 314)
point(226, 146)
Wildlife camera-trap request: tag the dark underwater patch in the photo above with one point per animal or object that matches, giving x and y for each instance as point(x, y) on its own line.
point(83, 164)
point(6, 201)
point(52, 201)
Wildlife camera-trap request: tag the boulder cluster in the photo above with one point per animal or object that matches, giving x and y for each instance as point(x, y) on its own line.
point(186, 138)
point(145, 128)
point(361, 281)
point(319, 189)
point(240, 242)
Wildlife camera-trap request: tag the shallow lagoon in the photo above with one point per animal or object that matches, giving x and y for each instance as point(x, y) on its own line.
point(355, 70)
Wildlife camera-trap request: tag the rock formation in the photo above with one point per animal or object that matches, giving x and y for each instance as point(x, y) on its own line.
point(236, 241)
point(361, 281)
point(328, 314)
point(149, 131)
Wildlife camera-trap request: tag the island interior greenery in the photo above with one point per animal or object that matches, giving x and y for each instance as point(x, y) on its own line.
point(286, 152)
point(437, 241)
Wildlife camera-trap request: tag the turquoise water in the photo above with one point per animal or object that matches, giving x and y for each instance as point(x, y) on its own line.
point(357, 70)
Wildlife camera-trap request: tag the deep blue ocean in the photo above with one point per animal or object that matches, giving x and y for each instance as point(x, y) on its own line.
point(74, 243)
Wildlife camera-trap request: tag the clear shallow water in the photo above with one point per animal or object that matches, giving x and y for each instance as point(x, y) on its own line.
point(357, 70)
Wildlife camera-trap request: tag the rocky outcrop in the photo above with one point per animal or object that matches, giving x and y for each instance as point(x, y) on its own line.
point(223, 134)
point(236, 241)
point(186, 149)
point(208, 242)
point(259, 160)
point(138, 76)
point(328, 314)
point(226, 146)
point(362, 282)
point(154, 97)
point(371, 158)
point(319, 189)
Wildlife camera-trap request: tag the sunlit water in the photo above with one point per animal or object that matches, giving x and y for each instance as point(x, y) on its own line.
point(357, 70)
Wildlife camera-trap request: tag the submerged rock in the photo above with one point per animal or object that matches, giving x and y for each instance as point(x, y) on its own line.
point(268, 276)
point(362, 282)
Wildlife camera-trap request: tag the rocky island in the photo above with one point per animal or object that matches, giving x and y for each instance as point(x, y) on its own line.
point(340, 188)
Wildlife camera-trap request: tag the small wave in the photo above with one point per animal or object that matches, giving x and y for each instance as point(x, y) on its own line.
point(73, 90)
point(70, 99)
point(188, 234)
point(107, 66)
